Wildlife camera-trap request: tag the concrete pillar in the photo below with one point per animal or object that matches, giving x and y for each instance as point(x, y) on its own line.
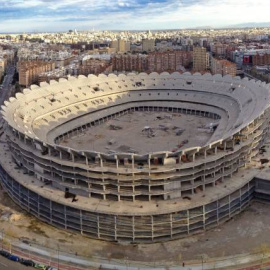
point(115, 228)
point(72, 157)
point(117, 162)
point(188, 221)
point(133, 228)
point(204, 219)
point(152, 225)
point(149, 164)
point(98, 233)
point(171, 223)
point(101, 161)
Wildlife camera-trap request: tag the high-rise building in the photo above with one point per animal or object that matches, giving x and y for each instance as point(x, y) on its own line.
point(2, 68)
point(148, 45)
point(200, 59)
point(169, 61)
point(130, 62)
point(30, 70)
point(120, 45)
point(261, 59)
point(223, 67)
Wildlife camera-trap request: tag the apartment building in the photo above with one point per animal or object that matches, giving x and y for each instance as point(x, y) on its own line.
point(223, 67)
point(130, 62)
point(169, 61)
point(2, 67)
point(261, 59)
point(30, 70)
point(120, 45)
point(148, 45)
point(200, 59)
point(94, 66)
point(219, 49)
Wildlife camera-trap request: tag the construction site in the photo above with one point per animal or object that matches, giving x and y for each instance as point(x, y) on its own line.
point(142, 132)
point(136, 158)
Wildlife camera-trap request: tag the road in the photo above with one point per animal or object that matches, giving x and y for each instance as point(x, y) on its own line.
point(6, 86)
point(6, 264)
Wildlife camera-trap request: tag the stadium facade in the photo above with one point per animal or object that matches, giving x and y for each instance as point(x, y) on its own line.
point(128, 196)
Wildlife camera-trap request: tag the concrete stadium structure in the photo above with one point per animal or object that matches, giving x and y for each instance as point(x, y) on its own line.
point(127, 196)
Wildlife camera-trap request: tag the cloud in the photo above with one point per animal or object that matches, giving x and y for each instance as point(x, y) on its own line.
point(57, 15)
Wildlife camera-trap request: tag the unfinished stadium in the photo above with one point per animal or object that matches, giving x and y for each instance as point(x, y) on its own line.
point(137, 158)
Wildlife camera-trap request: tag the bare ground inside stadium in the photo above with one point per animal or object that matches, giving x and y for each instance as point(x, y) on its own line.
point(143, 132)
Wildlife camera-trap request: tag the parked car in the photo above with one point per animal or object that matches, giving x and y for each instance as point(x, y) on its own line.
point(4, 253)
point(14, 258)
point(51, 268)
point(40, 266)
point(27, 262)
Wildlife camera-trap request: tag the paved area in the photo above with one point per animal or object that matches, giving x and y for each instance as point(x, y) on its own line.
point(6, 264)
point(5, 92)
point(143, 132)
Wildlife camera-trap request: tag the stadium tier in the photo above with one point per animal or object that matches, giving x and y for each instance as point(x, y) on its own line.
point(174, 162)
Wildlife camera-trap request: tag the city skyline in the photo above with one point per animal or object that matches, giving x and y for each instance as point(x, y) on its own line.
point(49, 15)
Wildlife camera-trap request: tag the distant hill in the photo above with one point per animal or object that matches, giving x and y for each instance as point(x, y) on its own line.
point(250, 25)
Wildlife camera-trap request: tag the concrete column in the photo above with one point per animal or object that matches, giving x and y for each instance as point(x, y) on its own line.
point(229, 206)
point(204, 219)
point(188, 221)
point(152, 225)
point(133, 228)
point(171, 223)
point(115, 228)
point(98, 233)
point(149, 164)
point(101, 161)
point(133, 163)
point(72, 157)
point(117, 162)
point(81, 222)
point(179, 157)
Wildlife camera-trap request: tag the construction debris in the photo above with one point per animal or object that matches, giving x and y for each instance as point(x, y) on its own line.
point(264, 160)
point(112, 141)
point(125, 149)
point(114, 127)
point(148, 131)
point(179, 131)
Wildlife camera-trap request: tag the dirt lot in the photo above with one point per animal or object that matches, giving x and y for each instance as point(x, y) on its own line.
point(248, 232)
point(143, 132)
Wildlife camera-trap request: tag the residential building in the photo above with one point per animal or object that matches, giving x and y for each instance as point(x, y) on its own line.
point(30, 70)
point(261, 59)
point(148, 45)
point(169, 61)
point(200, 59)
point(223, 67)
point(120, 45)
point(130, 62)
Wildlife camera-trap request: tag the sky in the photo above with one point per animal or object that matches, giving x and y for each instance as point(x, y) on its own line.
point(62, 15)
